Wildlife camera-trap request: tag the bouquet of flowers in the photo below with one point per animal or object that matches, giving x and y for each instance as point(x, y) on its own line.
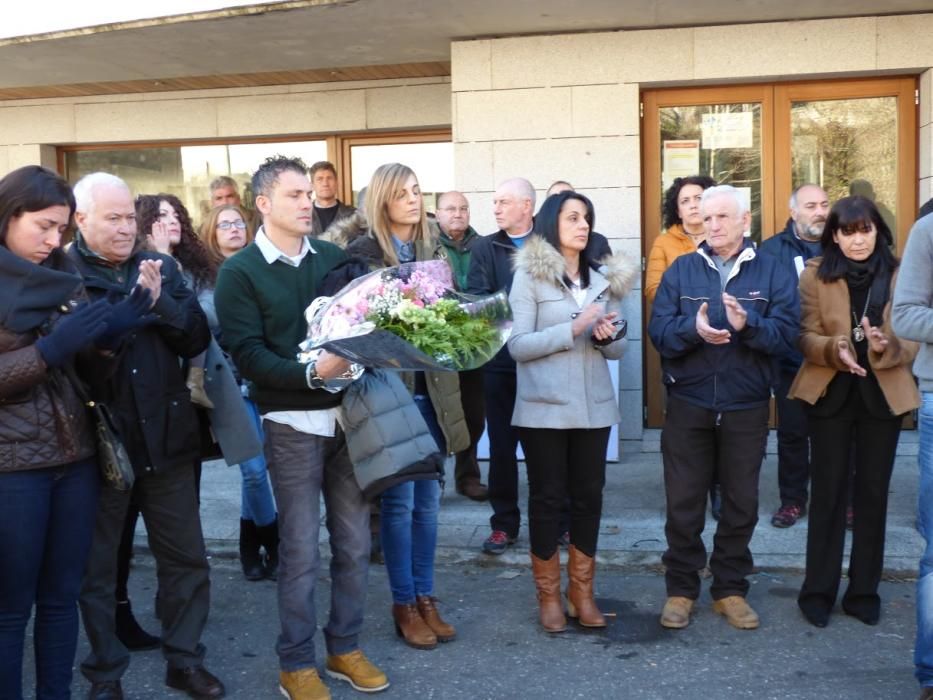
point(409, 317)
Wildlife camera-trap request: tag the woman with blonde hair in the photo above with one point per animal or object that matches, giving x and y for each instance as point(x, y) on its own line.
point(398, 233)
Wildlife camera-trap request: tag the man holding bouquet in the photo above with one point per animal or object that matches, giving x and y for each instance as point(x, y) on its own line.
point(261, 296)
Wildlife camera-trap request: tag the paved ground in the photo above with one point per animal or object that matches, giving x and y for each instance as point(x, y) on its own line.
point(501, 653)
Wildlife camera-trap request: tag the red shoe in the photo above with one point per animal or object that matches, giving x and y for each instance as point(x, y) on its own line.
point(787, 516)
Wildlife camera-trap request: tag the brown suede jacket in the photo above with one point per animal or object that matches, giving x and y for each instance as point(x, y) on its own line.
point(826, 320)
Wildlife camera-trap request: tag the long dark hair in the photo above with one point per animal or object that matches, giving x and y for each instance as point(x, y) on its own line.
point(190, 252)
point(31, 188)
point(547, 226)
point(849, 215)
point(669, 208)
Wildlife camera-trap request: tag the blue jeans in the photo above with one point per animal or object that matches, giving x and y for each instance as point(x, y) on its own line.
point(303, 467)
point(923, 649)
point(46, 525)
point(256, 502)
point(409, 526)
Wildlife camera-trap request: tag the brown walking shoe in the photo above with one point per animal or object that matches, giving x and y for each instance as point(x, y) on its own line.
point(473, 489)
point(737, 612)
point(354, 668)
point(303, 684)
point(676, 612)
point(432, 618)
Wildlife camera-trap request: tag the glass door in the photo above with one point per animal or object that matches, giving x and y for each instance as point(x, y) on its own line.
point(849, 137)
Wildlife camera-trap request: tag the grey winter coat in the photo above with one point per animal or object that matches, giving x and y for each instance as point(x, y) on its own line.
point(384, 429)
point(563, 382)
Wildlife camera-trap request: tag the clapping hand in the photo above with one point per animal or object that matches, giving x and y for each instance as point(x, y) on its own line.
point(150, 277)
point(735, 314)
point(711, 335)
point(877, 340)
point(127, 315)
point(159, 238)
point(847, 357)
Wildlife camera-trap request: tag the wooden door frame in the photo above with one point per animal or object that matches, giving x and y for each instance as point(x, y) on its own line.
point(653, 101)
point(903, 88)
point(775, 99)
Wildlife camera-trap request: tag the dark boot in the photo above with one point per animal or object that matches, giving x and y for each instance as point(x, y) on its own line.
point(547, 582)
point(133, 637)
point(250, 558)
point(580, 603)
point(269, 538)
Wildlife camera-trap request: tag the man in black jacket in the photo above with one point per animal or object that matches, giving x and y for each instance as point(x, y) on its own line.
point(797, 243)
point(491, 271)
point(326, 209)
point(158, 426)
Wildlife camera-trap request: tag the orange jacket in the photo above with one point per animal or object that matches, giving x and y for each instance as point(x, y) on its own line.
point(666, 249)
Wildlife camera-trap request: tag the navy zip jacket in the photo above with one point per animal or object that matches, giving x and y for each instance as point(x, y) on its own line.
point(793, 254)
point(732, 376)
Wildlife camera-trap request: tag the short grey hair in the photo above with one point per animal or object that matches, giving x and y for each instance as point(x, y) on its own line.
point(728, 191)
point(520, 187)
point(84, 189)
point(792, 202)
point(223, 181)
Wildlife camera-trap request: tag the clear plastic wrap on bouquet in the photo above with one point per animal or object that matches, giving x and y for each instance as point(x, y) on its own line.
point(409, 317)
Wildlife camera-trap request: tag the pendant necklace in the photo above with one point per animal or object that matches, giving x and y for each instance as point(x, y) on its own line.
point(858, 333)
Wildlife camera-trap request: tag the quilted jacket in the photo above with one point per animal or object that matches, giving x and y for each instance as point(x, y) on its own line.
point(42, 421)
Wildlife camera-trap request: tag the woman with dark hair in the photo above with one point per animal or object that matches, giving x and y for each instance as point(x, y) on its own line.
point(399, 233)
point(566, 327)
point(856, 379)
point(684, 228)
point(50, 337)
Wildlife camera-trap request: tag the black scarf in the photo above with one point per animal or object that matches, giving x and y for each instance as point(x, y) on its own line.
point(31, 292)
point(861, 276)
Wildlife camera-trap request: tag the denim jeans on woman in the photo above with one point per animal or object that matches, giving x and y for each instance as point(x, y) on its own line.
point(256, 501)
point(923, 649)
point(409, 525)
point(46, 524)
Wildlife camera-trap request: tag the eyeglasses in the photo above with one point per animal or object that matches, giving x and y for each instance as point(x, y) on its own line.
point(227, 225)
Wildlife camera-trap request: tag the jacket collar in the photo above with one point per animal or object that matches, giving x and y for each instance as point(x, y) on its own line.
point(746, 254)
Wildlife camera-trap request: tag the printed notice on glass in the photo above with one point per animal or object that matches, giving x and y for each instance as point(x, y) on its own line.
point(679, 159)
point(727, 130)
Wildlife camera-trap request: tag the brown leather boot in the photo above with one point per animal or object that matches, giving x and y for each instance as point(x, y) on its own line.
point(432, 618)
point(412, 628)
point(580, 603)
point(547, 582)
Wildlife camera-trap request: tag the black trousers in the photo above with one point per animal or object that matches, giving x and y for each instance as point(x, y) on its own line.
point(793, 445)
point(562, 464)
point(499, 390)
point(698, 444)
point(471, 397)
point(168, 502)
point(875, 443)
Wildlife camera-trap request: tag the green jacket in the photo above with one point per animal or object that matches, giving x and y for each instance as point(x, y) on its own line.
point(459, 253)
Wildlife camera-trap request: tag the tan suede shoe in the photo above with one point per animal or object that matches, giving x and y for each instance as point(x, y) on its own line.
point(676, 613)
point(303, 684)
point(738, 613)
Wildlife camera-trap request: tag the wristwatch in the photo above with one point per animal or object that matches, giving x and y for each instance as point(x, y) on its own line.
point(315, 381)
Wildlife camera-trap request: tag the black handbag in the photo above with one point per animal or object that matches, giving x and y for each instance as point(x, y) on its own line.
point(112, 457)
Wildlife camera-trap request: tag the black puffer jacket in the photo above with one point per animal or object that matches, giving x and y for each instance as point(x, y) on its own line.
point(147, 393)
point(42, 421)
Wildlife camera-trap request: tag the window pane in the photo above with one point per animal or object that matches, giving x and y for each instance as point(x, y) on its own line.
point(186, 171)
point(848, 147)
point(433, 163)
point(722, 141)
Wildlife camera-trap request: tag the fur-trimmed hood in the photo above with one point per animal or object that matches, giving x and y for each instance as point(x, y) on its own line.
point(343, 231)
point(544, 263)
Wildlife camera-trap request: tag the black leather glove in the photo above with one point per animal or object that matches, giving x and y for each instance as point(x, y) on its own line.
point(74, 331)
point(127, 315)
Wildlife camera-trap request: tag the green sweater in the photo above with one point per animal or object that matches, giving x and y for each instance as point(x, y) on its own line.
point(261, 312)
